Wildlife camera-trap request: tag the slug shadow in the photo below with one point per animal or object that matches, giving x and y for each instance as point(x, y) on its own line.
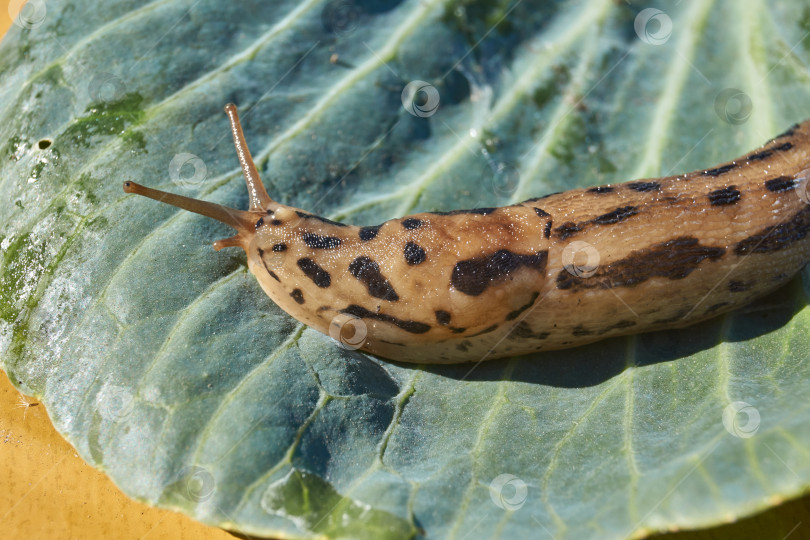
point(596, 363)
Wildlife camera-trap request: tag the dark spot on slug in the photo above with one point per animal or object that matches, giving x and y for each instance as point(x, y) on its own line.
point(780, 184)
point(620, 214)
point(479, 211)
point(260, 222)
point(778, 237)
point(679, 315)
point(522, 330)
point(725, 196)
point(759, 156)
point(541, 198)
point(464, 346)
point(369, 233)
point(413, 327)
point(569, 228)
point(717, 306)
point(644, 186)
point(540, 212)
point(474, 276)
point(673, 259)
point(547, 230)
point(783, 147)
point(486, 330)
point(316, 241)
point(457, 330)
point(601, 189)
point(625, 323)
point(512, 315)
point(719, 170)
point(414, 254)
point(280, 247)
point(368, 272)
point(297, 295)
point(580, 331)
point(412, 223)
point(276, 222)
point(270, 272)
point(318, 275)
point(44, 144)
point(442, 317)
point(737, 286)
point(320, 218)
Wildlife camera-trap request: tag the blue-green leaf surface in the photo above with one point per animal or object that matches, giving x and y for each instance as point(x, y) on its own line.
point(166, 366)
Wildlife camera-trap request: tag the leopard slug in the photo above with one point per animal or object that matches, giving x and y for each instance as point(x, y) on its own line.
point(548, 273)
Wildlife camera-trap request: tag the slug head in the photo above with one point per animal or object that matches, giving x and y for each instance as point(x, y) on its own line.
point(246, 222)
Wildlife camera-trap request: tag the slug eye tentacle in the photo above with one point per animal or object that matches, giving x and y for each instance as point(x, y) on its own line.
point(259, 199)
point(238, 219)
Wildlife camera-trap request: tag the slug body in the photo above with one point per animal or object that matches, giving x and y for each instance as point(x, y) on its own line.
point(548, 273)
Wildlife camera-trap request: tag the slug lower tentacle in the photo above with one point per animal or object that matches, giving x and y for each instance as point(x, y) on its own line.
point(549, 273)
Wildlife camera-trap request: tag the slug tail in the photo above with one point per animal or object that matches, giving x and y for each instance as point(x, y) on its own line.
point(238, 219)
point(259, 199)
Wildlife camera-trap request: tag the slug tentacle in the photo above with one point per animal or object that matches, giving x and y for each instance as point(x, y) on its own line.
point(259, 199)
point(238, 219)
point(548, 273)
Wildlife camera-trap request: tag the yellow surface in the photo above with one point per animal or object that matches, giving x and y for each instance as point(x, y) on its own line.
point(49, 492)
